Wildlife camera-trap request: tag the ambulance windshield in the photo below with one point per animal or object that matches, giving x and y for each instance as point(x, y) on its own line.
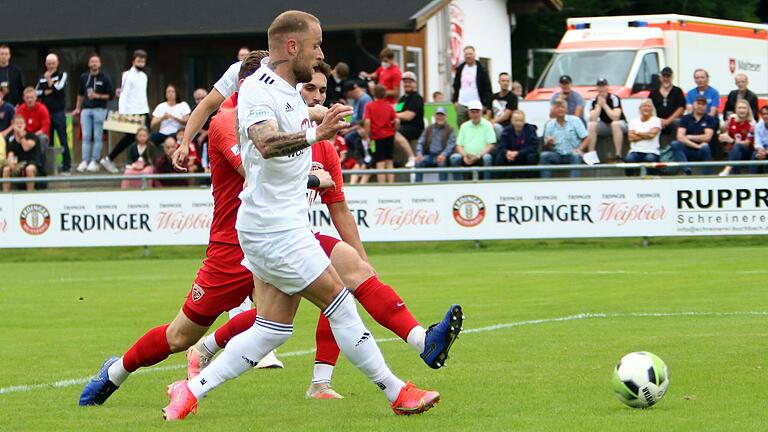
point(586, 67)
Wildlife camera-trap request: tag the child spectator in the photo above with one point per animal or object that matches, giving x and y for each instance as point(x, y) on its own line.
point(380, 123)
point(140, 159)
point(739, 136)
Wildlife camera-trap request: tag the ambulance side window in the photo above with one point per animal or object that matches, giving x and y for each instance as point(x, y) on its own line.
point(645, 75)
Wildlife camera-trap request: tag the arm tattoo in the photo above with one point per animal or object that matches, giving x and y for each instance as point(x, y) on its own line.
point(272, 143)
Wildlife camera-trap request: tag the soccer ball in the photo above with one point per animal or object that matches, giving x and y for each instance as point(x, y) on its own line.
point(640, 379)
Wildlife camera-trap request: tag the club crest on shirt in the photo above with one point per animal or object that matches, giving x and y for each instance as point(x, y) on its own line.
point(197, 292)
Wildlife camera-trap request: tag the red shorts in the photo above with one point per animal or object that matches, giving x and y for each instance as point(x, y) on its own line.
point(327, 243)
point(222, 283)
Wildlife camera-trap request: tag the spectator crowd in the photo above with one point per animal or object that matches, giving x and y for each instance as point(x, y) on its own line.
point(388, 124)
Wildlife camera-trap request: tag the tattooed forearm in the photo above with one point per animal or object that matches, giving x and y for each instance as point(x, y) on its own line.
point(271, 143)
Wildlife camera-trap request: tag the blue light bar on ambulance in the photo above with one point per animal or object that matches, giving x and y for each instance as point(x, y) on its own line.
point(582, 26)
point(637, 24)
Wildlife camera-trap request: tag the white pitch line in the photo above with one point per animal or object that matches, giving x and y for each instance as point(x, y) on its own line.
point(577, 317)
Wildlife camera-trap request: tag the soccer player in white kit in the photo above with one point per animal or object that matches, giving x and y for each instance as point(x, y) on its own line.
point(280, 249)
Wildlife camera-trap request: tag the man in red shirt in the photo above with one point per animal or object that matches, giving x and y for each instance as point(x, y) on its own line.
point(381, 123)
point(388, 74)
point(36, 115)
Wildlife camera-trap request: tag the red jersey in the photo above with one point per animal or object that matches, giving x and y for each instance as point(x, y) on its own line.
point(37, 117)
point(227, 183)
point(324, 157)
point(340, 144)
point(390, 78)
point(382, 117)
point(743, 132)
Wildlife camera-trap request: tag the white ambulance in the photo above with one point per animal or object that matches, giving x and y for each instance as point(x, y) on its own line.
point(629, 51)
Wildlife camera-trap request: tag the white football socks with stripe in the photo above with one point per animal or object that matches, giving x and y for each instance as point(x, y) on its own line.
point(358, 345)
point(241, 354)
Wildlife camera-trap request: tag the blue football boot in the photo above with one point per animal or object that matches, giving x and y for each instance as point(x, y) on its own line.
point(441, 336)
point(99, 388)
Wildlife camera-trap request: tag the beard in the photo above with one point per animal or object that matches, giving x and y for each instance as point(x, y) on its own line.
point(301, 70)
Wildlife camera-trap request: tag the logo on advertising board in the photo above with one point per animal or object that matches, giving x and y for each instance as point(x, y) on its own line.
point(735, 64)
point(35, 219)
point(469, 210)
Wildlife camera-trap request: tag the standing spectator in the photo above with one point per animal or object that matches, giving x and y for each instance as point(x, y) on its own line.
point(471, 84)
point(517, 89)
point(95, 90)
point(741, 92)
point(436, 145)
point(242, 53)
point(359, 99)
point(11, 79)
point(7, 111)
point(388, 75)
point(703, 89)
point(565, 139)
point(502, 105)
point(22, 154)
point(132, 100)
point(36, 115)
point(336, 81)
point(380, 124)
point(140, 158)
point(669, 102)
point(739, 136)
point(761, 139)
point(694, 133)
point(169, 116)
point(475, 142)
point(519, 145)
point(643, 135)
point(606, 118)
point(438, 96)
point(3, 151)
point(50, 91)
point(410, 112)
point(571, 97)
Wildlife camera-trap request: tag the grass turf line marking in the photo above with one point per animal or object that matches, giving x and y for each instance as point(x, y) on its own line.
point(577, 317)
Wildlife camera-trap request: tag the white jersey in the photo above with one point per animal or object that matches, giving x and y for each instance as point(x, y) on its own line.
point(275, 198)
point(227, 84)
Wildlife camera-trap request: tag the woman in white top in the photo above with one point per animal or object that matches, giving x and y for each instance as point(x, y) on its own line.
point(643, 135)
point(169, 116)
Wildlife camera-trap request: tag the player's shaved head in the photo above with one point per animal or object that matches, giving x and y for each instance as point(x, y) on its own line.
point(251, 62)
point(291, 22)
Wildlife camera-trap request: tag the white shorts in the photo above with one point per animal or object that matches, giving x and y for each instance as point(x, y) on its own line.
point(290, 260)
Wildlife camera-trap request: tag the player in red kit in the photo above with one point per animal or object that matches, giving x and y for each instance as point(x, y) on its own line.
point(222, 283)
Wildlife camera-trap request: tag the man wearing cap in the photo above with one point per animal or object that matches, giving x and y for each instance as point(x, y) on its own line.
point(471, 83)
point(669, 101)
point(436, 144)
point(741, 92)
point(607, 118)
point(694, 133)
point(573, 98)
point(410, 111)
point(475, 142)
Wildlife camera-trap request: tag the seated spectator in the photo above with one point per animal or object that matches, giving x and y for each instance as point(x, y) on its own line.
point(519, 145)
point(23, 155)
point(761, 140)
point(140, 158)
point(475, 142)
point(694, 133)
point(346, 159)
point(669, 102)
point(573, 98)
point(193, 160)
point(739, 136)
point(606, 118)
point(438, 96)
point(517, 89)
point(7, 111)
point(436, 144)
point(565, 139)
point(164, 165)
point(242, 53)
point(502, 105)
point(2, 150)
point(380, 125)
point(741, 92)
point(359, 99)
point(643, 135)
point(169, 116)
point(36, 116)
point(360, 153)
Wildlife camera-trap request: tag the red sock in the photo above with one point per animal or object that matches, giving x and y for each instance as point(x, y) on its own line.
point(386, 307)
point(327, 349)
point(150, 349)
point(238, 324)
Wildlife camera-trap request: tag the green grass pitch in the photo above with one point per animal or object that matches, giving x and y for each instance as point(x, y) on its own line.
point(545, 324)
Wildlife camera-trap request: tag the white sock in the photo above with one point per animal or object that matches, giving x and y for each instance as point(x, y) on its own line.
point(210, 346)
point(241, 354)
point(416, 338)
point(117, 373)
point(322, 373)
point(358, 345)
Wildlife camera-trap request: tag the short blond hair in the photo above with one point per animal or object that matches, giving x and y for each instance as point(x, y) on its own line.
point(290, 22)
